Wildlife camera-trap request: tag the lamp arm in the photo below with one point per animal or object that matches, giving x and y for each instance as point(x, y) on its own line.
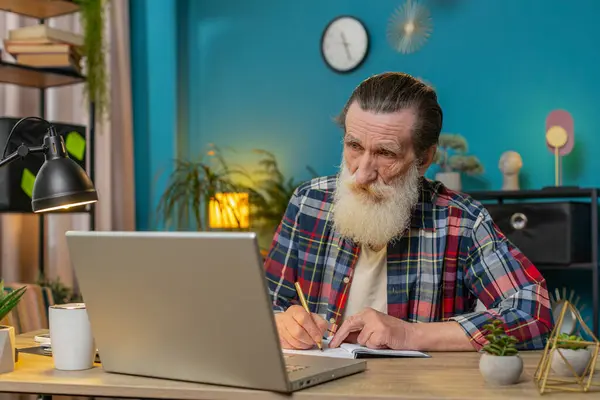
point(22, 152)
point(48, 124)
point(12, 157)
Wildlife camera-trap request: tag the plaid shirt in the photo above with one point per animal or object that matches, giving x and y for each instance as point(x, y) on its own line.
point(452, 255)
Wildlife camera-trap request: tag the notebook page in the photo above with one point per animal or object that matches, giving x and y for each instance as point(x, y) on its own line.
point(338, 352)
point(358, 349)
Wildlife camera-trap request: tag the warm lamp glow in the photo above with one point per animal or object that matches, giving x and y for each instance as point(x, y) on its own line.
point(229, 210)
point(65, 207)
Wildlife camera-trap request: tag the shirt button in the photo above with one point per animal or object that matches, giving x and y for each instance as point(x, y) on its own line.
point(346, 280)
point(332, 320)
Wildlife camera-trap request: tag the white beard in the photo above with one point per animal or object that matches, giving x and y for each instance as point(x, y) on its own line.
point(378, 214)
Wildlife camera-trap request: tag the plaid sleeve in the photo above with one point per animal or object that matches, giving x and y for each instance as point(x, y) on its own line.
point(280, 263)
point(508, 285)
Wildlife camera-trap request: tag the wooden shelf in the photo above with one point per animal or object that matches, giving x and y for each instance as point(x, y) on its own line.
point(40, 9)
point(546, 193)
point(557, 267)
point(40, 78)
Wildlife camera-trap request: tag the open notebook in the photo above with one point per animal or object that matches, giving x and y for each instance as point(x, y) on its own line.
point(349, 350)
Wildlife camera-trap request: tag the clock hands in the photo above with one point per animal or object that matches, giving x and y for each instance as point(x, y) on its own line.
point(345, 42)
point(350, 33)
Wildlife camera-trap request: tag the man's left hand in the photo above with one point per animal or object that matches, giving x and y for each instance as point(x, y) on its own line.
point(377, 330)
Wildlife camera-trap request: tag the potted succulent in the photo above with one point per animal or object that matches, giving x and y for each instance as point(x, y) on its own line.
point(8, 301)
point(452, 159)
point(500, 364)
point(576, 354)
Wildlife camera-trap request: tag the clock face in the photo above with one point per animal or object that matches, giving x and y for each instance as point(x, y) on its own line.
point(345, 44)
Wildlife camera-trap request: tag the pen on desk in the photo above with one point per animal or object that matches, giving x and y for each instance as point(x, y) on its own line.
point(305, 306)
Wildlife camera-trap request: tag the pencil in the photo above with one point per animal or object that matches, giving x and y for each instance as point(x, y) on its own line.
point(305, 306)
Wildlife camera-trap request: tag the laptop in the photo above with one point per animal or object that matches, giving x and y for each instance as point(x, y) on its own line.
point(189, 306)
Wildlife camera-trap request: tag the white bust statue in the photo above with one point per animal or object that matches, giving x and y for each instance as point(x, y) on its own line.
point(510, 165)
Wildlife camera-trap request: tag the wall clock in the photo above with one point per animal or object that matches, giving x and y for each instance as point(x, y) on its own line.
point(345, 44)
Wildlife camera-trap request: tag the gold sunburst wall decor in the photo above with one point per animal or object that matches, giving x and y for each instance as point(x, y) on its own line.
point(409, 27)
point(557, 301)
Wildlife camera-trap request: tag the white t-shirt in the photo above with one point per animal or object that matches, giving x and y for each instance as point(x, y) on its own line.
point(369, 282)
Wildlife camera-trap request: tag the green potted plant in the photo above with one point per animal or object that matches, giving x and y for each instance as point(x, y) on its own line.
point(452, 159)
point(191, 186)
point(500, 363)
point(8, 301)
point(92, 17)
point(61, 293)
point(573, 351)
point(270, 193)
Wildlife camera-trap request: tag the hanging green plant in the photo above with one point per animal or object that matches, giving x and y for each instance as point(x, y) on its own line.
point(92, 13)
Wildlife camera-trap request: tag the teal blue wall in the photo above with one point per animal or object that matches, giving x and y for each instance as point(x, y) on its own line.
point(154, 85)
point(253, 77)
point(257, 78)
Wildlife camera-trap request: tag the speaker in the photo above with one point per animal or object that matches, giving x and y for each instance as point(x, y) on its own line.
point(551, 233)
point(17, 178)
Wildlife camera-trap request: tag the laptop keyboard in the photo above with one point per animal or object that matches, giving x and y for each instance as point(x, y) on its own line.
point(290, 367)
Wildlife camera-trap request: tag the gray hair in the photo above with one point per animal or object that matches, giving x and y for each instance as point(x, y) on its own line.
point(394, 91)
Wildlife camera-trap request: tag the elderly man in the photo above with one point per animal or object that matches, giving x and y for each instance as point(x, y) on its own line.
point(389, 259)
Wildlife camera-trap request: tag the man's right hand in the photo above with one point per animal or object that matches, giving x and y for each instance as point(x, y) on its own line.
point(298, 329)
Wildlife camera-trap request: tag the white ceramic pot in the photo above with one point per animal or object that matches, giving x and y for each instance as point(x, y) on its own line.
point(7, 349)
point(578, 359)
point(450, 179)
point(500, 370)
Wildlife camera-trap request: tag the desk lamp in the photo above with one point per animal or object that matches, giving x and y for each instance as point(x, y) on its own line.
point(60, 183)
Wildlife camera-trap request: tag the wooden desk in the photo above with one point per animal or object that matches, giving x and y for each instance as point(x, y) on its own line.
point(444, 376)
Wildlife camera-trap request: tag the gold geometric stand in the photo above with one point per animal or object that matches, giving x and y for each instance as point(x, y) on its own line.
point(543, 379)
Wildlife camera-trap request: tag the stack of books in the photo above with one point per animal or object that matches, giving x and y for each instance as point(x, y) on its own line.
point(44, 47)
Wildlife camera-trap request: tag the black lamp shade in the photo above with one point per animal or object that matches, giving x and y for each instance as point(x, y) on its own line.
point(61, 183)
